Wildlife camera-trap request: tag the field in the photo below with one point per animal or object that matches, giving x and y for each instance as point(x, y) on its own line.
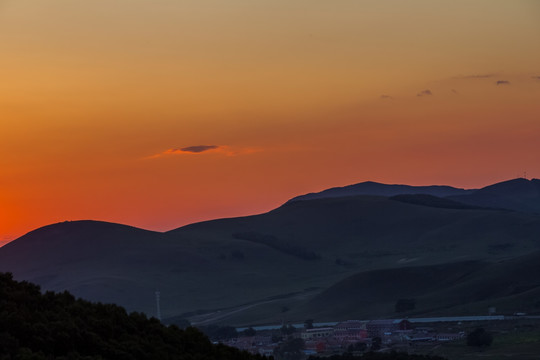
point(519, 339)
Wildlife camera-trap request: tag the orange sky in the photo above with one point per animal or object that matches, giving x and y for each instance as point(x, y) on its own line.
point(98, 99)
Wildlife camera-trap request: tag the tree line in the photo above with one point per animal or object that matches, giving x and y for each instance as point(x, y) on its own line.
point(36, 325)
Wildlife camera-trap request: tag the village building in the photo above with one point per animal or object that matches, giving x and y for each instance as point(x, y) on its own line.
point(449, 336)
point(350, 330)
point(379, 328)
point(317, 333)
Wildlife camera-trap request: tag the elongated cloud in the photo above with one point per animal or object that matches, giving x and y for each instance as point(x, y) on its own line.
point(426, 92)
point(198, 148)
point(205, 149)
point(502, 82)
point(477, 76)
point(386, 97)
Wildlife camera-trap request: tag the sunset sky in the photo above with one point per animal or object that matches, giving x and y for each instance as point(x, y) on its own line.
point(161, 113)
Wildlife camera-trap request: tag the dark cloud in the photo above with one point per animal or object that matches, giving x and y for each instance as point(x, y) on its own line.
point(426, 92)
point(478, 76)
point(536, 77)
point(214, 149)
point(198, 148)
point(454, 91)
point(502, 82)
point(386, 97)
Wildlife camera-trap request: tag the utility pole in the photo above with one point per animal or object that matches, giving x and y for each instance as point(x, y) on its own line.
point(158, 310)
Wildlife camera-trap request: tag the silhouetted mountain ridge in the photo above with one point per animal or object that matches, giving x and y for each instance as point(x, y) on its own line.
point(269, 260)
point(378, 189)
point(517, 194)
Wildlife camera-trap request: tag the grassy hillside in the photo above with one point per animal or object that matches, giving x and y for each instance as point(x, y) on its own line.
point(257, 266)
point(517, 194)
point(466, 288)
point(370, 231)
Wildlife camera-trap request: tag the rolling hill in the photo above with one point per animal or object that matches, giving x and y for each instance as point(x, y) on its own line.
point(270, 266)
point(517, 194)
point(378, 189)
point(467, 288)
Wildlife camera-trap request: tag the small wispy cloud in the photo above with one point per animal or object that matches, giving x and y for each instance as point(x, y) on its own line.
point(386, 97)
point(197, 148)
point(476, 76)
point(502, 82)
point(536, 77)
point(454, 91)
point(205, 149)
point(426, 92)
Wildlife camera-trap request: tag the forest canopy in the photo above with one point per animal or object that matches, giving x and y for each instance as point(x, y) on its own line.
point(36, 325)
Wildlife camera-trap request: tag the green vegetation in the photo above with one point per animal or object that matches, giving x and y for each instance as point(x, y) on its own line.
point(216, 332)
point(287, 329)
point(461, 288)
point(58, 326)
point(479, 337)
point(283, 246)
point(290, 349)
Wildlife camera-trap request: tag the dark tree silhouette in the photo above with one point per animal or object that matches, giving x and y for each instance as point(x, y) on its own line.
point(57, 326)
point(479, 337)
point(249, 332)
point(290, 349)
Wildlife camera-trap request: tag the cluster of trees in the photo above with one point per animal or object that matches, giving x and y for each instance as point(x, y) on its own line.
point(56, 325)
point(279, 245)
point(218, 333)
point(291, 349)
point(479, 337)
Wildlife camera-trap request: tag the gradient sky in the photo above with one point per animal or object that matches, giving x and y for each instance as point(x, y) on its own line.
point(161, 113)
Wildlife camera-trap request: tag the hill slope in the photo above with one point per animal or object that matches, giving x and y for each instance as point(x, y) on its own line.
point(274, 260)
point(466, 288)
point(518, 194)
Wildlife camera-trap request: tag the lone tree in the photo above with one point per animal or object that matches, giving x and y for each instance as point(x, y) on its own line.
point(376, 343)
point(479, 337)
point(288, 329)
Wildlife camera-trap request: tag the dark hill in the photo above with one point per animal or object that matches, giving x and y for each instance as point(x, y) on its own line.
point(518, 194)
point(434, 201)
point(466, 288)
point(378, 189)
point(233, 269)
point(376, 231)
point(125, 265)
point(58, 326)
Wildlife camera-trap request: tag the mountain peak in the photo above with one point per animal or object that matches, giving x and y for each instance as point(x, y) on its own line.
point(379, 189)
point(518, 194)
point(518, 186)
